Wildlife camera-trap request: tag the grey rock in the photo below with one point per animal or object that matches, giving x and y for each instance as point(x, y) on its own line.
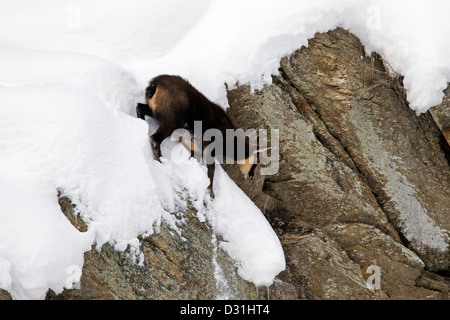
point(397, 151)
point(360, 169)
point(364, 182)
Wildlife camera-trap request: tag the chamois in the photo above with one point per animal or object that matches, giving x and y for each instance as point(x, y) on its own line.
point(176, 104)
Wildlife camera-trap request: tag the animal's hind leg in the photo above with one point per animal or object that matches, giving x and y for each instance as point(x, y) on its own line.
point(211, 170)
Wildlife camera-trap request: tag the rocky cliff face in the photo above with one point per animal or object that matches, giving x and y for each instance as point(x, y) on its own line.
point(185, 265)
point(364, 181)
point(363, 194)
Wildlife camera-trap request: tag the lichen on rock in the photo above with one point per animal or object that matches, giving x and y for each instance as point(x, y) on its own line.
point(364, 182)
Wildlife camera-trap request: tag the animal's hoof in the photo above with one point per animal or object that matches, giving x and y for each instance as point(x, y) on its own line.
point(211, 192)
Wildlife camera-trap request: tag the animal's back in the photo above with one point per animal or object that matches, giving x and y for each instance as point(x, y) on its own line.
point(191, 105)
point(176, 104)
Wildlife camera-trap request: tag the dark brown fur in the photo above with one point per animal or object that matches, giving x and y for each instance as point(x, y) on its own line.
point(175, 103)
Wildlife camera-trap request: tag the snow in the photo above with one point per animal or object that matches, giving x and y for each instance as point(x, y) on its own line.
point(412, 36)
point(247, 235)
point(71, 73)
point(60, 138)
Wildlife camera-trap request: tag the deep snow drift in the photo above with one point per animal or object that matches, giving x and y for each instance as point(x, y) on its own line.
point(71, 73)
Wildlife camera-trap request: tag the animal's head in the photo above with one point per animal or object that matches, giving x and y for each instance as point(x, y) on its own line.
point(166, 93)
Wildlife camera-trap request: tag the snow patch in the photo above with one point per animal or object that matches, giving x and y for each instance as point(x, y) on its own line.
point(71, 74)
point(248, 237)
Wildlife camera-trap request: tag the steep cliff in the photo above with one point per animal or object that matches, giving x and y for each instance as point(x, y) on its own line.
point(363, 186)
point(364, 181)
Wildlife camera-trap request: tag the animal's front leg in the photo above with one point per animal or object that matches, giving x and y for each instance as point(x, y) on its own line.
point(156, 140)
point(158, 137)
point(211, 169)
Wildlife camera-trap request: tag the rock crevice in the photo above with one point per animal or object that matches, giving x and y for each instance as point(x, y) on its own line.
point(360, 167)
point(364, 185)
